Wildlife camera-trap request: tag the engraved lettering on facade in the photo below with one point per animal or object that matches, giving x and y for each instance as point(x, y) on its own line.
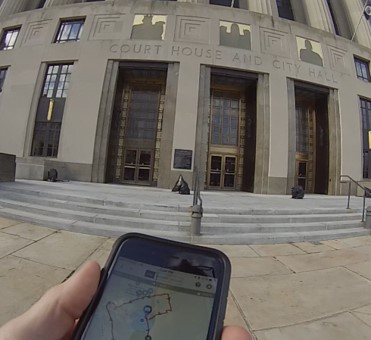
point(286, 66)
point(322, 75)
point(248, 60)
point(135, 48)
point(198, 52)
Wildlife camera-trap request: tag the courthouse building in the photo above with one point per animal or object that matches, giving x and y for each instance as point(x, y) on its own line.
point(253, 95)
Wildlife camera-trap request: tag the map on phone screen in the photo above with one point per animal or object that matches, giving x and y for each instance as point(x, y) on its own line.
point(145, 302)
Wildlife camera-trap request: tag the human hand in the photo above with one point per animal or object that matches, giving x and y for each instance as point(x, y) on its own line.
point(54, 316)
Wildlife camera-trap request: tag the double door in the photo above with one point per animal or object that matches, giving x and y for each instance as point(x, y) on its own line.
point(136, 132)
point(138, 166)
point(305, 148)
point(226, 142)
point(223, 171)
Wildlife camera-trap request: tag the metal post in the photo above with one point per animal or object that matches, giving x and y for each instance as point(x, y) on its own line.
point(368, 218)
point(197, 210)
point(196, 219)
point(349, 187)
point(364, 204)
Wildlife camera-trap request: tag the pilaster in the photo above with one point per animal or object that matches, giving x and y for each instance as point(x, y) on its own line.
point(261, 6)
point(10, 7)
point(262, 135)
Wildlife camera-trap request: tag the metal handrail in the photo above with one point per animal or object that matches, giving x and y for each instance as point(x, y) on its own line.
point(366, 191)
point(197, 191)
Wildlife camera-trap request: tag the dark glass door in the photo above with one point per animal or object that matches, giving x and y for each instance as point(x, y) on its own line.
point(138, 166)
point(223, 172)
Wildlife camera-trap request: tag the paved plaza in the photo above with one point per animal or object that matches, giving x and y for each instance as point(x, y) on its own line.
point(298, 291)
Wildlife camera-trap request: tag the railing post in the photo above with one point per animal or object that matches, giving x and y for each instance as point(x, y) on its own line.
point(197, 210)
point(366, 193)
point(368, 218)
point(349, 187)
point(196, 220)
point(364, 205)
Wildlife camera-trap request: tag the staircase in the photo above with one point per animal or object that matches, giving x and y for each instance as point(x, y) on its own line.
point(229, 218)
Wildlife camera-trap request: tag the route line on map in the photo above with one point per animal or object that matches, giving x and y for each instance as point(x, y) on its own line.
point(147, 337)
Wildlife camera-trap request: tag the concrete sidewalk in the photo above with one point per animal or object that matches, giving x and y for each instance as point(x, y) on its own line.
point(299, 291)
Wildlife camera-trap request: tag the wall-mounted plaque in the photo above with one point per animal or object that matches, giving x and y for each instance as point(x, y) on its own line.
point(182, 159)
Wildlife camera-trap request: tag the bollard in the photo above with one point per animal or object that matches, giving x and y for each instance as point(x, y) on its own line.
point(196, 219)
point(368, 218)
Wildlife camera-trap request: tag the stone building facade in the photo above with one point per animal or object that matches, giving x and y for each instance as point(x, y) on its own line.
point(253, 95)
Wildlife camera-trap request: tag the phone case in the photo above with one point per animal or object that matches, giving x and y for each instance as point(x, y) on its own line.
point(216, 325)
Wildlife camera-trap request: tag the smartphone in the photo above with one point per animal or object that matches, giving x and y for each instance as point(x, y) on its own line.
point(157, 289)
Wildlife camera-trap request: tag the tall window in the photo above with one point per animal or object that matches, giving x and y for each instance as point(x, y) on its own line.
point(2, 77)
point(9, 38)
point(285, 9)
point(366, 133)
point(70, 31)
point(225, 119)
point(41, 4)
point(302, 130)
point(226, 3)
point(333, 16)
point(362, 69)
point(50, 111)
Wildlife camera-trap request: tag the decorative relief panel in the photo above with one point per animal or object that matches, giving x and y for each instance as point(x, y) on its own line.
point(310, 51)
point(192, 29)
point(36, 33)
point(234, 35)
point(337, 58)
point(274, 42)
point(107, 27)
point(149, 27)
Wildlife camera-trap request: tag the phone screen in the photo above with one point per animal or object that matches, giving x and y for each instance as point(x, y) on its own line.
point(143, 301)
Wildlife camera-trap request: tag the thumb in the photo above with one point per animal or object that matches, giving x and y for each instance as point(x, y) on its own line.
point(54, 315)
point(235, 333)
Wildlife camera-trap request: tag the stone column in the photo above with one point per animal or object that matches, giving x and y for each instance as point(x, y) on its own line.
point(318, 15)
point(202, 127)
point(10, 7)
point(334, 143)
point(262, 135)
point(354, 12)
point(167, 132)
point(104, 122)
point(291, 159)
point(261, 6)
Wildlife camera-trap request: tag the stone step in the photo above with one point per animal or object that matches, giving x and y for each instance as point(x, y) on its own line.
point(289, 237)
point(338, 215)
point(87, 227)
point(275, 212)
point(281, 218)
point(205, 238)
point(266, 228)
point(134, 222)
point(144, 219)
point(86, 199)
point(112, 210)
point(98, 208)
point(116, 207)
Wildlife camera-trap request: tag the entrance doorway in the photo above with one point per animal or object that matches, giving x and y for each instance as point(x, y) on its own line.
point(232, 133)
point(134, 147)
point(312, 143)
